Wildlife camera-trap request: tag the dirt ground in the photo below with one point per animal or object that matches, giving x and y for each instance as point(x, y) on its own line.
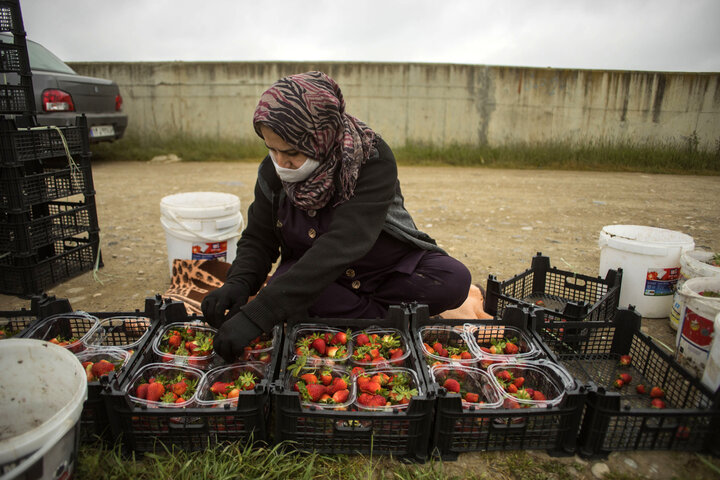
point(493, 220)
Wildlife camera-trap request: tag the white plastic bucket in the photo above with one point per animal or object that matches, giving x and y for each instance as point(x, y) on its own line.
point(711, 374)
point(201, 225)
point(43, 390)
point(697, 323)
point(692, 264)
point(650, 259)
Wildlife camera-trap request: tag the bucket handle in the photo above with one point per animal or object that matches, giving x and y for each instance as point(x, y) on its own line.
point(212, 238)
point(52, 440)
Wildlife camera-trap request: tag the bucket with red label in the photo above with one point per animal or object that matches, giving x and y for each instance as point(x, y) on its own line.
point(701, 305)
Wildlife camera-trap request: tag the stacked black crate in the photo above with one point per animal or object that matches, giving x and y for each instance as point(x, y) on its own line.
point(48, 217)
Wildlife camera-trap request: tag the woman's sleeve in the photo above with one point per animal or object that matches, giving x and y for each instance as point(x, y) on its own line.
point(353, 231)
point(258, 247)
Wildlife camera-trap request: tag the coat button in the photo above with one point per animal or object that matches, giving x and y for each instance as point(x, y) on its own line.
point(278, 224)
point(350, 273)
point(311, 213)
point(356, 284)
point(312, 233)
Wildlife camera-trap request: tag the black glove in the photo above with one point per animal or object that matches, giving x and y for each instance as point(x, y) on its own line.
point(228, 297)
point(234, 335)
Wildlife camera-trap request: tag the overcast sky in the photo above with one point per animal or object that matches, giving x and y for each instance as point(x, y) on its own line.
point(657, 35)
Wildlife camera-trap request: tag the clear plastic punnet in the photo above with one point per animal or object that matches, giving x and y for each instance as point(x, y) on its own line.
point(445, 344)
point(187, 343)
point(321, 344)
point(474, 385)
point(386, 389)
point(67, 330)
point(261, 348)
point(530, 384)
point(223, 385)
point(123, 331)
point(99, 362)
point(500, 344)
point(177, 386)
point(377, 347)
point(326, 387)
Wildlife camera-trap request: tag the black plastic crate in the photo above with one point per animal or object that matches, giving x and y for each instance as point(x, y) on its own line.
point(556, 294)
point(404, 434)
point(23, 187)
point(11, 17)
point(191, 428)
point(47, 223)
point(619, 417)
point(14, 59)
point(17, 99)
point(24, 275)
point(15, 323)
point(458, 430)
point(39, 143)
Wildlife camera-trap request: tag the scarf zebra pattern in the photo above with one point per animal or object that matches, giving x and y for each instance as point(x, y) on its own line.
point(308, 112)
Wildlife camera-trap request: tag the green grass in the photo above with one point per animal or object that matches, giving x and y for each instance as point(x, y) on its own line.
point(678, 158)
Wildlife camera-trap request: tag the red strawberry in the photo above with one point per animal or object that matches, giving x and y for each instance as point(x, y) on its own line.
point(337, 384)
point(504, 376)
point(340, 338)
point(179, 388)
point(472, 397)
point(656, 392)
point(142, 390)
point(640, 389)
point(309, 378)
point(438, 347)
point(625, 360)
point(618, 383)
point(326, 378)
point(318, 345)
point(219, 388)
point(626, 378)
point(371, 387)
point(341, 396)
point(103, 367)
point(657, 403)
point(452, 385)
point(511, 388)
point(174, 340)
point(510, 403)
point(538, 395)
point(518, 382)
point(358, 370)
point(378, 401)
point(155, 391)
point(316, 391)
point(511, 348)
point(331, 351)
point(466, 355)
point(364, 399)
point(362, 339)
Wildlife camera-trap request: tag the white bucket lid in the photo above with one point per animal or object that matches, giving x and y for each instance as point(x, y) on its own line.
point(44, 388)
point(200, 204)
point(644, 240)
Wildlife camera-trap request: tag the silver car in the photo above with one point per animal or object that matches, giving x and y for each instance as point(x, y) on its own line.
point(61, 95)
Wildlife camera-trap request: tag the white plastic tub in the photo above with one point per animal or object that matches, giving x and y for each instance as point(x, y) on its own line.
point(43, 388)
point(692, 264)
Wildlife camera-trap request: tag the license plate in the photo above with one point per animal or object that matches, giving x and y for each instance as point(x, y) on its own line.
point(102, 131)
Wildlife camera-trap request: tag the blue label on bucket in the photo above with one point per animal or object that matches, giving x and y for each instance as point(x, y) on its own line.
point(209, 251)
point(661, 281)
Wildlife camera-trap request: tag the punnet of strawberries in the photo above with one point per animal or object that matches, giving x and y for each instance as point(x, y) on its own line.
point(186, 344)
point(8, 332)
point(243, 382)
point(98, 364)
point(526, 385)
point(390, 388)
point(168, 387)
point(325, 386)
point(375, 348)
point(445, 344)
point(223, 385)
point(474, 385)
point(320, 343)
point(259, 350)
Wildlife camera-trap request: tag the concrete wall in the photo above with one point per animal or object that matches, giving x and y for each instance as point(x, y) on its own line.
point(439, 104)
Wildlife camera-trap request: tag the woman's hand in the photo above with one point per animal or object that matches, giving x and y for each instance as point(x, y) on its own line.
point(234, 335)
point(216, 303)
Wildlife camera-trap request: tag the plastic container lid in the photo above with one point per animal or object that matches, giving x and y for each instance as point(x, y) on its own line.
point(408, 380)
point(200, 204)
point(197, 361)
point(67, 330)
point(170, 372)
point(297, 376)
point(452, 338)
point(472, 380)
point(228, 374)
point(126, 332)
point(384, 340)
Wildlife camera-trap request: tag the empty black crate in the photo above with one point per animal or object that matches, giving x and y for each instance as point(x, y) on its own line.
point(557, 294)
point(40, 143)
point(15, 323)
point(620, 417)
point(23, 233)
point(458, 430)
point(22, 275)
point(14, 59)
point(190, 428)
point(11, 17)
point(404, 434)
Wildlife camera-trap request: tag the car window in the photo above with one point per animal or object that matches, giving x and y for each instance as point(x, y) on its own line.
point(41, 58)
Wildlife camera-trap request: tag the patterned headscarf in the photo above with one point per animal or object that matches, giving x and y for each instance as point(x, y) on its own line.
point(308, 112)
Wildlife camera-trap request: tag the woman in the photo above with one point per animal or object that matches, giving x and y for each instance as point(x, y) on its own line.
point(328, 200)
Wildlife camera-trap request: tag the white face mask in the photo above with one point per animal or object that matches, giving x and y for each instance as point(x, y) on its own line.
point(292, 175)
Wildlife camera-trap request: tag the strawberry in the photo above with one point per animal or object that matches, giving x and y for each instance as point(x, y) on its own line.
point(371, 387)
point(452, 385)
point(640, 389)
point(341, 396)
point(246, 381)
point(362, 339)
point(538, 395)
point(657, 403)
point(438, 347)
point(358, 370)
point(656, 392)
point(220, 388)
point(315, 392)
point(155, 391)
point(625, 360)
point(179, 388)
point(378, 401)
point(618, 383)
point(472, 397)
point(88, 371)
point(626, 378)
point(103, 367)
point(142, 390)
point(511, 388)
point(233, 393)
point(326, 378)
point(331, 351)
point(510, 403)
point(339, 338)
point(364, 399)
point(319, 345)
point(174, 340)
point(511, 348)
point(338, 383)
point(518, 382)
point(309, 378)
point(504, 376)
point(466, 356)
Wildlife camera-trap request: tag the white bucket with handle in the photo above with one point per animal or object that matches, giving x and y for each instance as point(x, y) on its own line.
point(201, 226)
point(650, 259)
point(696, 263)
point(43, 390)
